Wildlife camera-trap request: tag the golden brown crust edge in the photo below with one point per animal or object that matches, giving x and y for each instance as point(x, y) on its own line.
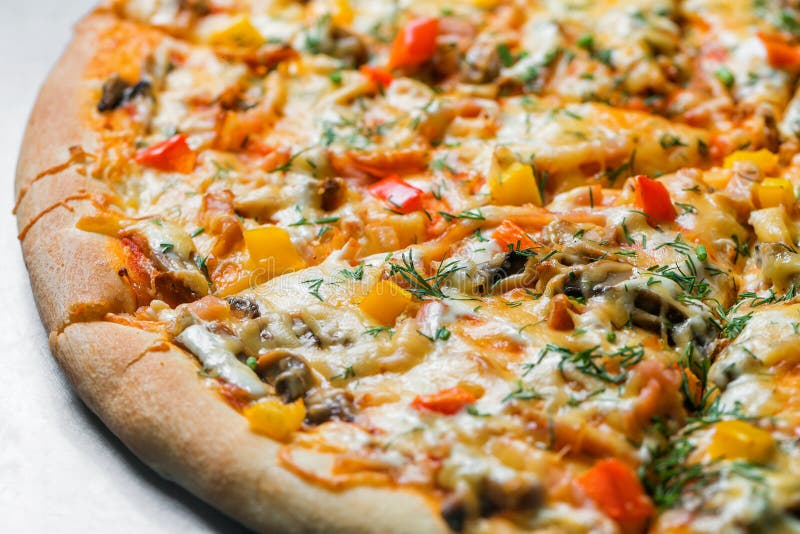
point(148, 393)
point(74, 274)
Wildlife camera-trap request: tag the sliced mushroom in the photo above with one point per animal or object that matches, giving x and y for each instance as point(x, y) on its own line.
point(586, 281)
point(779, 266)
point(513, 264)
point(481, 63)
point(244, 307)
point(455, 36)
point(197, 7)
point(454, 512)
point(117, 92)
point(327, 38)
point(332, 193)
point(348, 47)
point(216, 353)
point(486, 270)
point(325, 404)
point(288, 373)
point(500, 491)
point(662, 314)
point(520, 492)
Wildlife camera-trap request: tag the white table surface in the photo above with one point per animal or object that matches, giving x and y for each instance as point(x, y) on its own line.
point(60, 469)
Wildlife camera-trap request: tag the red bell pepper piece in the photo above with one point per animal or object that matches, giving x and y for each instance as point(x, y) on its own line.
point(398, 193)
point(616, 490)
point(415, 43)
point(780, 54)
point(653, 199)
point(511, 237)
point(446, 401)
point(377, 75)
point(171, 155)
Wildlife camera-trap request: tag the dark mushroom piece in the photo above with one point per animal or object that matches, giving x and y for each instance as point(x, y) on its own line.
point(446, 61)
point(513, 263)
point(117, 92)
point(243, 307)
point(586, 281)
point(326, 38)
point(662, 315)
point(481, 63)
point(332, 193)
point(779, 266)
point(287, 373)
point(454, 512)
point(517, 493)
point(348, 47)
point(656, 314)
point(326, 404)
point(520, 492)
point(196, 7)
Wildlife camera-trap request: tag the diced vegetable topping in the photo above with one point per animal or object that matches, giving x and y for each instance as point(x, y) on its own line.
point(171, 155)
point(377, 75)
point(717, 178)
point(415, 43)
point(515, 186)
point(774, 192)
point(399, 194)
point(447, 401)
point(511, 237)
point(616, 490)
point(763, 159)
point(385, 302)
point(240, 33)
point(738, 440)
point(780, 54)
point(342, 13)
point(217, 358)
point(271, 248)
point(653, 199)
point(274, 419)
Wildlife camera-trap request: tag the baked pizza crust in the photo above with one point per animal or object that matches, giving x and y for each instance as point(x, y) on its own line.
point(148, 393)
point(74, 274)
point(146, 390)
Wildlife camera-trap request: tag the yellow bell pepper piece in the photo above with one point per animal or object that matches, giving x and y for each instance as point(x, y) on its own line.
point(763, 159)
point(385, 302)
point(240, 33)
point(342, 13)
point(271, 249)
point(771, 225)
point(717, 178)
point(101, 223)
point(274, 419)
point(772, 192)
point(514, 186)
point(738, 440)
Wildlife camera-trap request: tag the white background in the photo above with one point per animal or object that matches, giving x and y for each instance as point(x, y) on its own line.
point(60, 470)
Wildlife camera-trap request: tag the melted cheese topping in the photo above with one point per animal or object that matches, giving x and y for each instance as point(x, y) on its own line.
point(517, 345)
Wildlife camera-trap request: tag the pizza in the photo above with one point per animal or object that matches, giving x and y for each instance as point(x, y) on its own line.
point(442, 266)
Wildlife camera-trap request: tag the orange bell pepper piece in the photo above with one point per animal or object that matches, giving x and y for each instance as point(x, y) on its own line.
point(447, 401)
point(511, 237)
point(780, 54)
point(415, 43)
point(171, 155)
point(377, 75)
point(616, 490)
